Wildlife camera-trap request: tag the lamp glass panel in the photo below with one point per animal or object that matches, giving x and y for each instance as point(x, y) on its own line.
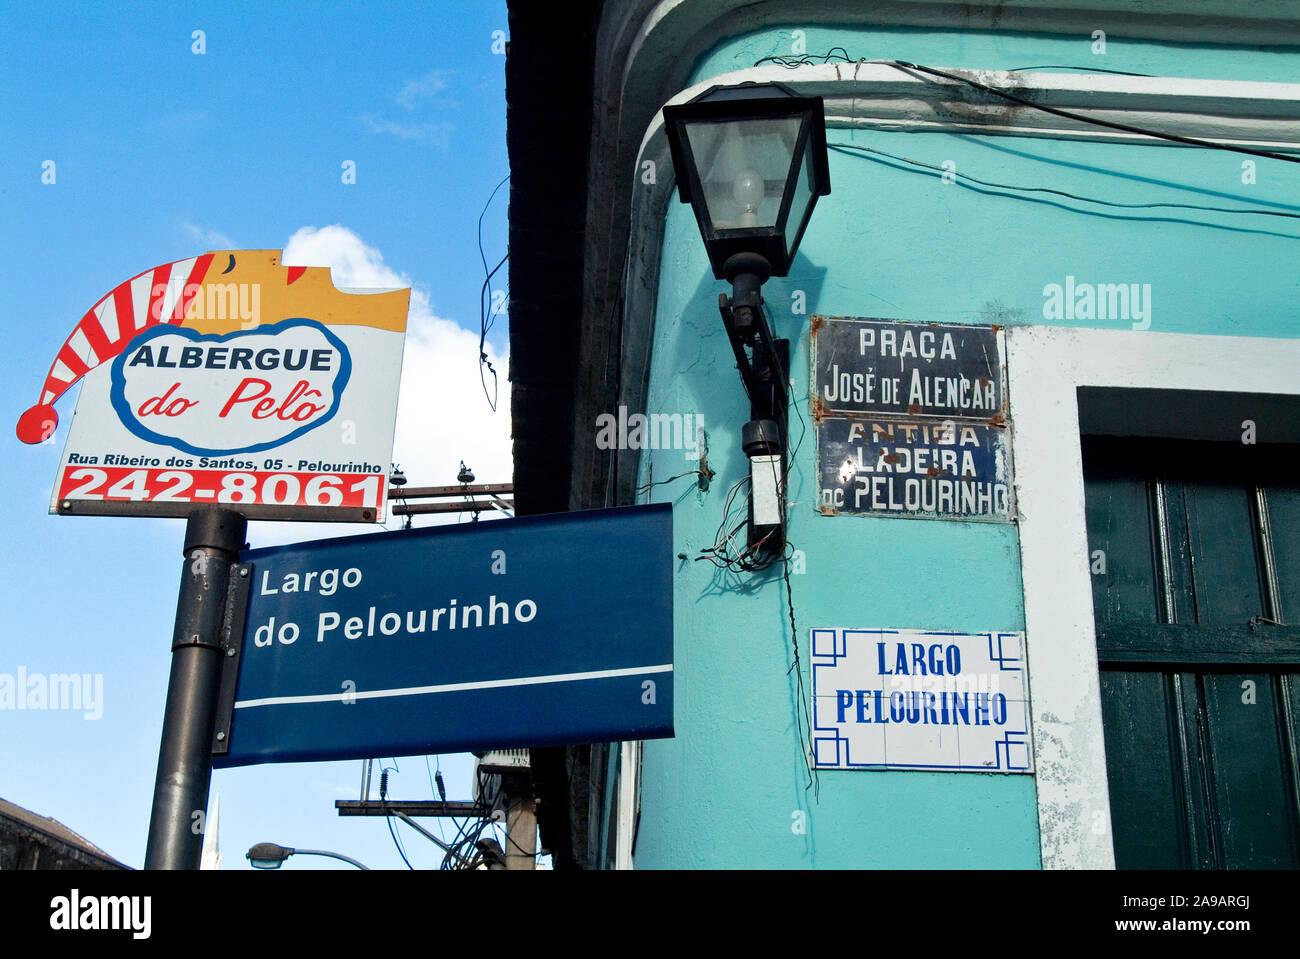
point(804, 186)
point(743, 166)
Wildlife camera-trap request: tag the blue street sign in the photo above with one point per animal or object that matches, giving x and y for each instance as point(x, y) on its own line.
point(536, 631)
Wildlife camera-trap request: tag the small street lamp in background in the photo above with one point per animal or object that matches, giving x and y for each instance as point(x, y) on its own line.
point(268, 855)
point(396, 482)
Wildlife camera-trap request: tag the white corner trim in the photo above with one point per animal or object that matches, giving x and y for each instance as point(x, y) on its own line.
point(877, 95)
point(1045, 366)
point(629, 757)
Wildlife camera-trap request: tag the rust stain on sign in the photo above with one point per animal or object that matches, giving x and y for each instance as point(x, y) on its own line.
point(819, 411)
point(816, 323)
point(998, 419)
point(827, 510)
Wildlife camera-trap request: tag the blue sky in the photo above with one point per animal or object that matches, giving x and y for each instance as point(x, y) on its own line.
point(160, 153)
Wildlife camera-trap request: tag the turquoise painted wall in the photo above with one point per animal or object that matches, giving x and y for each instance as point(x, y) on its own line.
point(892, 240)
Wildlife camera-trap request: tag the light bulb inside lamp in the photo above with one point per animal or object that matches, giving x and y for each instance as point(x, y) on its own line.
point(748, 192)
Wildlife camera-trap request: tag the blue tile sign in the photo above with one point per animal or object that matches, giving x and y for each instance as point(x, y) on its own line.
point(527, 632)
point(920, 699)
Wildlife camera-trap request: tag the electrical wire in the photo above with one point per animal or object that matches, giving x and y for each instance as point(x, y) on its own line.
point(504, 833)
point(442, 793)
point(483, 256)
point(905, 66)
point(1062, 66)
point(486, 823)
point(511, 840)
point(645, 488)
point(455, 857)
point(803, 430)
point(438, 791)
point(858, 148)
point(487, 316)
point(806, 59)
point(803, 721)
point(460, 853)
point(753, 558)
point(397, 842)
point(467, 834)
point(723, 554)
point(717, 553)
point(383, 796)
point(485, 324)
point(449, 859)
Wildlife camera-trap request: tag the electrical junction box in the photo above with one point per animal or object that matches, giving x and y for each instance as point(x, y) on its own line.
point(488, 770)
point(504, 761)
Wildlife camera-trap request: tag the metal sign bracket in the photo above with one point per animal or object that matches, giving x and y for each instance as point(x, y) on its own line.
point(232, 641)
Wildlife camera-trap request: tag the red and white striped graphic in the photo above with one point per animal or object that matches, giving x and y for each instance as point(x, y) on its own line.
point(160, 295)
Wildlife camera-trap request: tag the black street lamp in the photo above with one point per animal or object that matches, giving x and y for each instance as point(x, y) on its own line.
point(269, 855)
point(751, 160)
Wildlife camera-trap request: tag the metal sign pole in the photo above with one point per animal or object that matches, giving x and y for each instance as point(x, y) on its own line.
point(213, 538)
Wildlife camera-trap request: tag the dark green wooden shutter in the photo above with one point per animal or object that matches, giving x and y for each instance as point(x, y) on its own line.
point(1201, 546)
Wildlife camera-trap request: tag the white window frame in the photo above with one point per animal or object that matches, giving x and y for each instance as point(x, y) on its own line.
point(1045, 368)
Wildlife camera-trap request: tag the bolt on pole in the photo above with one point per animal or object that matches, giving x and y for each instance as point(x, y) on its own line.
point(213, 539)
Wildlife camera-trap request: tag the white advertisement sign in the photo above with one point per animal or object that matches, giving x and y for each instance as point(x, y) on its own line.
point(229, 379)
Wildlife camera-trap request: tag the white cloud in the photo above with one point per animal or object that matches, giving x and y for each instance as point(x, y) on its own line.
point(435, 134)
point(207, 239)
point(432, 83)
point(442, 414)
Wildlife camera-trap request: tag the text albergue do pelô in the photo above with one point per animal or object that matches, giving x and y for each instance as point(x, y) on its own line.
point(331, 624)
point(297, 406)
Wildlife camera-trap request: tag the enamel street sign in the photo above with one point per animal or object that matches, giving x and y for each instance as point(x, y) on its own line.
point(920, 699)
point(914, 467)
point(536, 631)
point(911, 420)
point(228, 379)
point(883, 367)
